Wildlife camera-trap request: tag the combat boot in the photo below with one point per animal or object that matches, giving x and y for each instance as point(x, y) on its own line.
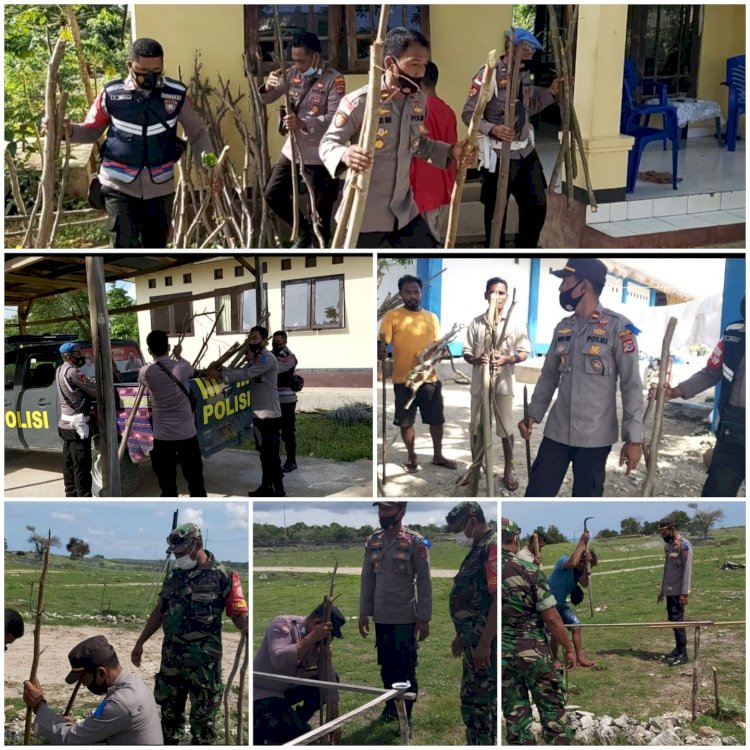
point(672, 653)
point(680, 658)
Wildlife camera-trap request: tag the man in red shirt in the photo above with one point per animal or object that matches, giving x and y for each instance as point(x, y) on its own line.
point(432, 187)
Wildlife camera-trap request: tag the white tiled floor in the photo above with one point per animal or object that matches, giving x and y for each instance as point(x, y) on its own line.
point(671, 223)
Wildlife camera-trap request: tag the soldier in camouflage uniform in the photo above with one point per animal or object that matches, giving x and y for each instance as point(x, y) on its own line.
point(528, 605)
point(473, 609)
point(189, 610)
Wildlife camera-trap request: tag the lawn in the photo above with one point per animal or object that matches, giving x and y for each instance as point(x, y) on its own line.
point(630, 677)
point(436, 718)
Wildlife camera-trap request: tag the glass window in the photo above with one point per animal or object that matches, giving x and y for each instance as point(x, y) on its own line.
point(327, 303)
point(239, 314)
point(247, 306)
point(296, 304)
point(176, 318)
point(10, 369)
point(312, 304)
point(40, 370)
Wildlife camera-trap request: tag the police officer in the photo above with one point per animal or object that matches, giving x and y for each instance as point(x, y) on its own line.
point(513, 349)
point(137, 172)
point(526, 181)
point(285, 384)
point(473, 609)
point(194, 596)
point(315, 91)
point(127, 714)
point(291, 646)
point(13, 626)
point(528, 606)
point(391, 216)
point(675, 585)
point(396, 560)
point(75, 392)
point(590, 350)
point(726, 364)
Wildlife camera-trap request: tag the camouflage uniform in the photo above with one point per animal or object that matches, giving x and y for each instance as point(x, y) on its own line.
point(192, 603)
point(526, 665)
point(470, 601)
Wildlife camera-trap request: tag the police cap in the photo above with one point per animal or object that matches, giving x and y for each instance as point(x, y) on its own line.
point(584, 268)
point(87, 656)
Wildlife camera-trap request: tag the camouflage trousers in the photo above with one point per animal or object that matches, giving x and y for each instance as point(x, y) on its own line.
point(479, 699)
point(542, 680)
point(204, 688)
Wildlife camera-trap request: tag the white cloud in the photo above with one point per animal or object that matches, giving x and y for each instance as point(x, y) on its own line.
point(99, 532)
point(63, 516)
point(237, 513)
point(191, 515)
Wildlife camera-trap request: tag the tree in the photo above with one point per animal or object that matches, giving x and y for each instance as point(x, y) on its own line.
point(650, 527)
point(554, 535)
point(681, 519)
point(607, 534)
point(40, 541)
point(124, 326)
point(78, 548)
point(704, 519)
point(630, 526)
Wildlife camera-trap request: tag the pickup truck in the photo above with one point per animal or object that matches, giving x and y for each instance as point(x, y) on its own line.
point(32, 410)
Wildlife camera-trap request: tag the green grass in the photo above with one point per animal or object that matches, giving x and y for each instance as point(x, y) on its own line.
point(630, 656)
point(436, 717)
point(318, 437)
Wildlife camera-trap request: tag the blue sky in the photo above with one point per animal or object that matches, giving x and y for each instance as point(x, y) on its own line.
point(122, 529)
point(354, 513)
point(568, 515)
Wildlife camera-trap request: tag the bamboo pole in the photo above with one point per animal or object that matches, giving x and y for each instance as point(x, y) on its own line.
point(228, 688)
point(485, 94)
point(513, 63)
point(359, 184)
point(694, 690)
point(37, 632)
point(653, 450)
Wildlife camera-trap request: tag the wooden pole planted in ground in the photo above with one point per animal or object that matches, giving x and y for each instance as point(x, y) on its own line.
point(37, 633)
point(241, 691)
point(694, 692)
point(716, 690)
point(228, 688)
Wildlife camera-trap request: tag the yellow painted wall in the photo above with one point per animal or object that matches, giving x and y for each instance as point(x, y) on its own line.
point(723, 36)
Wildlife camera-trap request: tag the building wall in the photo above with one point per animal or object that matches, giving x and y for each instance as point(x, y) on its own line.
point(341, 357)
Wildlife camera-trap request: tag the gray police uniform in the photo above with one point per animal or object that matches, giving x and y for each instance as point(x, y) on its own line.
point(675, 582)
point(396, 591)
point(526, 180)
point(127, 716)
point(314, 99)
point(583, 364)
point(391, 215)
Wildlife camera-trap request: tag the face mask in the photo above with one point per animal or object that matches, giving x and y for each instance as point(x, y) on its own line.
point(567, 301)
point(276, 349)
point(98, 688)
point(407, 84)
point(255, 347)
point(462, 539)
point(79, 361)
point(310, 72)
point(387, 522)
point(185, 562)
point(668, 539)
point(149, 80)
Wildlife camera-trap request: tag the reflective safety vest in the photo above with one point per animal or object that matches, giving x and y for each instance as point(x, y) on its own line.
point(734, 350)
point(142, 131)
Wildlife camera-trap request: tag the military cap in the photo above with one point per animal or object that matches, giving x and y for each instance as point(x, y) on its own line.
point(667, 523)
point(69, 346)
point(522, 36)
point(400, 504)
point(585, 268)
point(182, 534)
point(463, 509)
point(87, 656)
point(508, 526)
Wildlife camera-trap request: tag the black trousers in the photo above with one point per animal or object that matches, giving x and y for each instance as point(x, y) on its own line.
point(76, 463)
point(551, 464)
point(288, 434)
point(167, 454)
point(267, 435)
point(415, 234)
point(397, 656)
point(278, 192)
point(134, 222)
point(275, 722)
point(676, 613)
point(727, 470)
point(527, 185)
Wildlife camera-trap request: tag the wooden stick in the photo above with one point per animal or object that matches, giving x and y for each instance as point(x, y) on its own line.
point(129, 424)
point(696, 624)
point(15, 186)
point(64, 180)
point(204, 345)
point(319, 683)
point(384, 420)
point(37, 632)
point(73, 696)
point(513, 62)
point(485, 94)
point(528, 440)
point(653, 450)
point(716, 690)
point(324, 662)
point(403, 720)
point(241, 691)
point(694, 691)
point(230, 680)
point(486, 420)
point(359, 184)
point(554, 40)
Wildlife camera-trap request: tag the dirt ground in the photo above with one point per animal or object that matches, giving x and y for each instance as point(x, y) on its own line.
point(685, 438)
point(54, 665)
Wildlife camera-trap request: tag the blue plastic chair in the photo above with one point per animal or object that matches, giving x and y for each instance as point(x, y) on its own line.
point(736, 99)
point(630, 124)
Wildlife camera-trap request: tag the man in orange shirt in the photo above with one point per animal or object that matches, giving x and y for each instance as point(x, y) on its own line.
point(411, 329)
point(432, 187)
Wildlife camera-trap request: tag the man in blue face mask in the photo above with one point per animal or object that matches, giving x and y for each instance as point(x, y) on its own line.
point(590, 351)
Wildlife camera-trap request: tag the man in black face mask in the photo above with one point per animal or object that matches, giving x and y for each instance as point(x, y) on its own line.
point(397, 563)
point(286, 385)
point(75, 392)
point(137, 172)
point(391, 216)
point(590, 350)
point(128, 715)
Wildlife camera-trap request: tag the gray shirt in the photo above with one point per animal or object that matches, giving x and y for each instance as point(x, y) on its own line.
point(170, 407)
point(74, 390)
point(396, 588)
point(401, 135)
point(678, 567)
point(278, 655)
point(127, 716)
point(315, 99)
point(262, 374)
point(709, 377)
point(584, 362)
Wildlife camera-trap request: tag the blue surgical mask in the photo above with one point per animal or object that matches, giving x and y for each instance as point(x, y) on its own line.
point(310, 72)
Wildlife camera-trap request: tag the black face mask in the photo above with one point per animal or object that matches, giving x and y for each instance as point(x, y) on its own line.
point(79, 361)
point(255, 347)
point(387, 522)
point(568, 301)
point(668, 539)
point(98, 688)
point(149, 80)
point(407, 84)
point(277, 349)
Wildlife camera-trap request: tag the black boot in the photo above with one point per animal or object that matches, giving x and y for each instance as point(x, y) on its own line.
point(672, 653)
point(680, 658)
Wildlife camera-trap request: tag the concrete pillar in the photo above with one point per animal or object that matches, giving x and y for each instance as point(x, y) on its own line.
point(600, 56)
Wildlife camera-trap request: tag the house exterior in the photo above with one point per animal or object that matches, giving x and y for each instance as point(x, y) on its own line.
point(325, 303)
